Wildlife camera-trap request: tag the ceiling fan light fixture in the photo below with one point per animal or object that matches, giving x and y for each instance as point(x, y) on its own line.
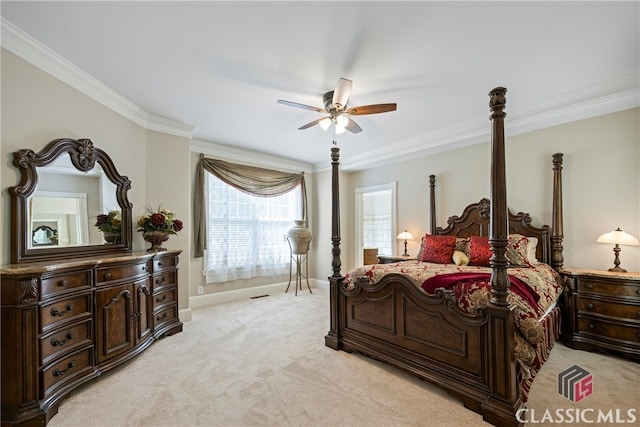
point(342, 121)
point(325, 123)
point(335, 103)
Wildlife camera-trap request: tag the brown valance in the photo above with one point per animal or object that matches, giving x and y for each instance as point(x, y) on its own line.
point(249, 179)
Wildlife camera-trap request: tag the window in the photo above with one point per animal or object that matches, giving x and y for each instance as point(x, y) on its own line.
point(246, 234)
point(376, 219)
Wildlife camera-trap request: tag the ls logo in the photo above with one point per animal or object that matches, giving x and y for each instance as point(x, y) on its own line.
point(575, 383)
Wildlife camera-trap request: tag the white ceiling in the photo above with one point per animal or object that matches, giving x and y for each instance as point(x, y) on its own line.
point(219, 67)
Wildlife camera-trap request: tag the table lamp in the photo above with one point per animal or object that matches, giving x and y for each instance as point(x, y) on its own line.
point(617, 237)
point(405, 235)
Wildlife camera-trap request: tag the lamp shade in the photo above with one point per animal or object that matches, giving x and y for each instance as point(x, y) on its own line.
point(405, 235)
point(325, 123)
point(618, 237)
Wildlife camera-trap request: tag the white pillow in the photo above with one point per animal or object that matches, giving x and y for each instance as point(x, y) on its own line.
point(460, 258)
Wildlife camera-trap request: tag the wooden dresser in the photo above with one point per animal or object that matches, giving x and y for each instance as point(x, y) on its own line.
point(66, 322)
point(602, 311)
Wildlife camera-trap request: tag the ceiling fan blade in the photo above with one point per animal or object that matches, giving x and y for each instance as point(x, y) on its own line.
point(371, 109)
point(303, 106)
point(353, 127)
point(310, 124)
point(342, 93)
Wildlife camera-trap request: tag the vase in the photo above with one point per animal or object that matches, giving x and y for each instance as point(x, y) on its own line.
point(156, 238)
point(111, 238)
point(299, 237)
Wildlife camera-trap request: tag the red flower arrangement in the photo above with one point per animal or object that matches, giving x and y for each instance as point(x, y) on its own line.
point(110, 223)
point(162, 220)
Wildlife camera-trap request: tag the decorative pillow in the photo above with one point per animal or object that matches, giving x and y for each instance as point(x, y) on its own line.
point(480, 251)
point(463, 245)
point(531, 250)
point(419, 255)
point(516, 251)
point(460, 258)
point(438, 249)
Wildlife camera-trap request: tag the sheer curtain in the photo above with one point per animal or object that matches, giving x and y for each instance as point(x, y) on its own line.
point(250, 210)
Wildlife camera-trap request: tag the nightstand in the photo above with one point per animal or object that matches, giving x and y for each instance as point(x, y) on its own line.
point(602, 311)
point(390, 259)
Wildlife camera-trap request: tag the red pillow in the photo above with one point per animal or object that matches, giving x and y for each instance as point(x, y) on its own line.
point(438, 249)
point(480, 251)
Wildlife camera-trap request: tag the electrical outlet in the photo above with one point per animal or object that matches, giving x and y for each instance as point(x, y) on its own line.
point(200, 290)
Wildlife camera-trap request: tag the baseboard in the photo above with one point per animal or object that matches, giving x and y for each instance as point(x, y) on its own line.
point(245, 293)
point(185, 315)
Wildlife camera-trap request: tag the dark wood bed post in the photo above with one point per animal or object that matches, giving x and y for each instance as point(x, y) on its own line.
point(499, 225)
point(336, 279)
point(432, 202)
point(503, 401)
point(557, 233)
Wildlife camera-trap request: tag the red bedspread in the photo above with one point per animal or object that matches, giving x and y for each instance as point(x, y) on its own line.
point(534, 290)
point(446, 281)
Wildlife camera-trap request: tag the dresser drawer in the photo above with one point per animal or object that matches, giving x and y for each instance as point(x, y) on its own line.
point(609, 330)
point(619, 288)
point(64, 340)
point(164, 279)
point(65, 310)
point(165, 315)
point(121, 272)
point(606, 308)
point(164, 263)
point(67, 369)
point(53, 285)
point(164, 297)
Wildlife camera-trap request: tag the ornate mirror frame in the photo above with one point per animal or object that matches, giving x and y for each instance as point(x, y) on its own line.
point(83, 156)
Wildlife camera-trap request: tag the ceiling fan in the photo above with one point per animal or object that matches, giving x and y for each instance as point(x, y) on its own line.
point(335, 103)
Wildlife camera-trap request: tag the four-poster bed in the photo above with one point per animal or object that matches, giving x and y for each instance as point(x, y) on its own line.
point(482, 339)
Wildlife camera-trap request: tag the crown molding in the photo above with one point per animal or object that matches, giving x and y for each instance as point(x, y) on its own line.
point(621, 94)
point(579, 105)
point(31, 50)
point(250, 158)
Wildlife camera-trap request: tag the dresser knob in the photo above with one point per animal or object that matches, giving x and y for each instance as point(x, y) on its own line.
point(160, 318)
point(589, 285)
point(158, 299)
point(56, 312)
point(62, 283)
point(590, 306)
point(144, 268)
point(638, 291)
point(56, 342)
point(160, 264)
point(591, 326)
point(107, 276)
point(160, 280)
point(57, 372)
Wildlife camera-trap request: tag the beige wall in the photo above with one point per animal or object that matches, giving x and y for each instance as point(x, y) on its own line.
point(37, 108)
point(601, 185)
point(167, 171)
point(601, 178)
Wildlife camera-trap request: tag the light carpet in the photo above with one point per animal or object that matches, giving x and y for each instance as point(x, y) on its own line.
point(263, 362)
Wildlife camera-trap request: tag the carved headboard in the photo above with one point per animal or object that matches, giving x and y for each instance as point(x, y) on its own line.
point(475, 221)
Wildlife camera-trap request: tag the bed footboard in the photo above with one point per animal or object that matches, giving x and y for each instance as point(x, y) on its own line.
point(471, 356)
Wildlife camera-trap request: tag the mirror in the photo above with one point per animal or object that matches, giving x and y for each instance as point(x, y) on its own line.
point(60, 209)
